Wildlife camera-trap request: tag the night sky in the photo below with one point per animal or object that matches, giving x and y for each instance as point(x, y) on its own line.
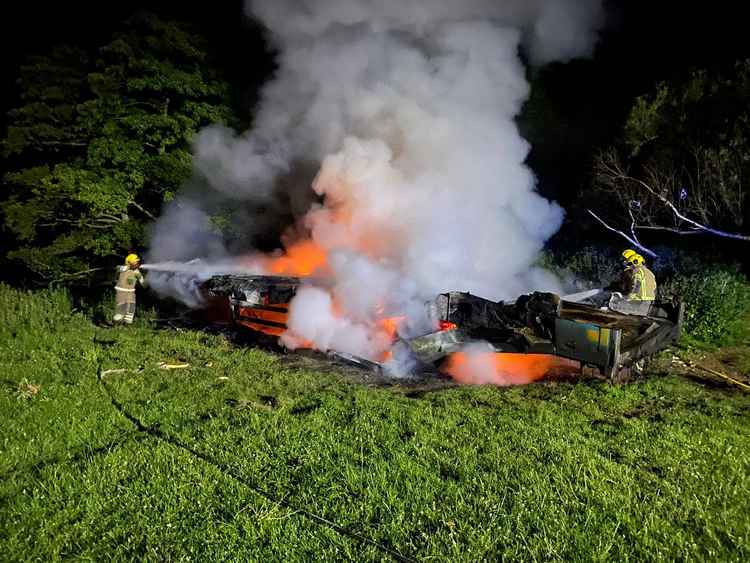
point(640, 46)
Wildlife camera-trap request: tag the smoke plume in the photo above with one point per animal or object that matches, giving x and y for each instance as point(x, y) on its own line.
point(398, 117)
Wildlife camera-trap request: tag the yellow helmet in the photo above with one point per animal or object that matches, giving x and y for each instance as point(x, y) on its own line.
point(637, 260)
point(132, 259)
point(628, 254)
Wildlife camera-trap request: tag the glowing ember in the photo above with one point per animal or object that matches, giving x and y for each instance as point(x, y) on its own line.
point(506, 369)
point(447, 325)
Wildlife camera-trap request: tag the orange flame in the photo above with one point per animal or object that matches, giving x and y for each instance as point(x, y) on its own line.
point(390, 325)
point(301, 258)
point(506, 369)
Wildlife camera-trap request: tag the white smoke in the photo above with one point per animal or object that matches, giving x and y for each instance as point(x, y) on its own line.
point(312, 318)
point(407, 109)
point(183, 281)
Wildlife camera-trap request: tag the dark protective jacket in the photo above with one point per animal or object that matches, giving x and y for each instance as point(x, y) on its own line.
point(624, 284)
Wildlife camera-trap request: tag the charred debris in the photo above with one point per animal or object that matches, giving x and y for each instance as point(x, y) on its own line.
point(572, 327)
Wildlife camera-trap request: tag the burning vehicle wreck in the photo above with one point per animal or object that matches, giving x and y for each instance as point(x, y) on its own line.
point(535, 336)
point(401, 177)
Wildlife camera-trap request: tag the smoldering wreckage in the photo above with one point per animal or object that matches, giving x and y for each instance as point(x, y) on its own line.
point(539, 335)
point(392, 117)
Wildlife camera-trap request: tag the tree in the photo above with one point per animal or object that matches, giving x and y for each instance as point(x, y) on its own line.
point(684, 161)
point(101, 142)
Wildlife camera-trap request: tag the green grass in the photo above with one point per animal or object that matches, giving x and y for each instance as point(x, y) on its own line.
point(251, 467)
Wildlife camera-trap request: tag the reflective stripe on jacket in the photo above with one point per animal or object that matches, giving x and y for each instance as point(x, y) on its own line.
point(127, 278)
point(644, 288)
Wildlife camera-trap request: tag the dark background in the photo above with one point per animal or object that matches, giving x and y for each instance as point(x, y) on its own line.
point(583, 103)
point(237, 43)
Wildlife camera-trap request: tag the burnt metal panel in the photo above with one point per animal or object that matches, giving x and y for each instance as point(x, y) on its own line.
point(469, 311)
point(357, 361)
point(660, 335)
point(501, 324)
point(612, 367)
point(432, 347)
point(257, 290)
point(586, 342)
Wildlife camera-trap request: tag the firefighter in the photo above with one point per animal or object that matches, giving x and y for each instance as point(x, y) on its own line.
point(642, 292)
point(644, 281)
point(624, 284)
point(627, 254)
point(626, 278)
point(128, 276)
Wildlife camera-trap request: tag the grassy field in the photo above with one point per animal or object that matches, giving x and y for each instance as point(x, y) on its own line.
point(247, 455)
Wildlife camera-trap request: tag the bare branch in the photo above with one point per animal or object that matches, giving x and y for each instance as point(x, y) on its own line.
point(631, 240)
point(61, 143)
point(632, 226)
point(111, 218)
point(670, 229)
point(658, 189)
point(74, 275)
point(62, 221)
point(140, 208)
point(101, 221)
point(686, 219)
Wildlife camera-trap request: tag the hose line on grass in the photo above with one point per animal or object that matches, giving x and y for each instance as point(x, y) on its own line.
point(84, 453)
point(696, 366)
point(229, 472)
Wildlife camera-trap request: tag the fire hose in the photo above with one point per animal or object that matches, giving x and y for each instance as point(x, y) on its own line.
point(731, 380)
point(159, 434)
